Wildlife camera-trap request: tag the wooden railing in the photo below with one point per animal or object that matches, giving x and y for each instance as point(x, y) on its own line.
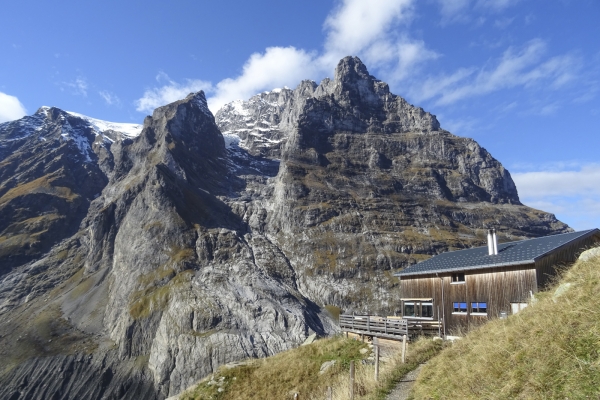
point(424, 327)
point(371, 325)
point(391, 327)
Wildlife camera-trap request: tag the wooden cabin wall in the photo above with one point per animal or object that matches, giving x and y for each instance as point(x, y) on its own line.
point(423, 287)
point(498, 287)
point(546, 266)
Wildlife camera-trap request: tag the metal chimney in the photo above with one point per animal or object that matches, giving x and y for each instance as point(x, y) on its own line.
point(490, 243)
point(495, 241)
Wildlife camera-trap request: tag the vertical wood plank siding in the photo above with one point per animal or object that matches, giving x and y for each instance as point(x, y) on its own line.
point(498, 287)
point(546, 266)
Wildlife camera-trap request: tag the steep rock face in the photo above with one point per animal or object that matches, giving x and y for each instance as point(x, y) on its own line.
point(52, 165)
point(191, 248)
point(161, 274)
point(369, 183)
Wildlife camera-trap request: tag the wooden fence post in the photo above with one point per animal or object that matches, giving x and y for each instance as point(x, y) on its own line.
point(351, 380)
point(403, 349)
point(376, 343)
point(329, 393)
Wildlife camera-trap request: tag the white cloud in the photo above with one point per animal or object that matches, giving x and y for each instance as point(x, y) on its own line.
point(539, 184)
point(171, 91)
point(10, 108)
point(371, 30)
point(357, 25)
point(276, 67)
point(515, 68)
point(571, 194)
point(110, 98)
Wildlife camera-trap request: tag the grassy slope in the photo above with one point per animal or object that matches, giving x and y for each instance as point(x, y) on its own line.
point(297, 371)
point(549, 350)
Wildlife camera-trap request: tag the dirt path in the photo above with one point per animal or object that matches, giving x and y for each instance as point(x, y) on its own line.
point(403, 387)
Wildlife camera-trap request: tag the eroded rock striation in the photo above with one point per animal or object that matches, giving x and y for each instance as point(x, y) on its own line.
point(134, 265)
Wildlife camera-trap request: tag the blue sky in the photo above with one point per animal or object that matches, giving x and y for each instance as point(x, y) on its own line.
point(522, 77)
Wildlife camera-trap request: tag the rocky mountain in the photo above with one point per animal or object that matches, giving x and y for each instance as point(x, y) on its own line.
point(134, 264)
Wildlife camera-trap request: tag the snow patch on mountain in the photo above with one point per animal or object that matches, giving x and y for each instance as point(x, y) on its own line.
point(127, 129)
point(231, 140)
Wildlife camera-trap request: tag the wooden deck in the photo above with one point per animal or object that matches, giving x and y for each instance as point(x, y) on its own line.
point(387, 327)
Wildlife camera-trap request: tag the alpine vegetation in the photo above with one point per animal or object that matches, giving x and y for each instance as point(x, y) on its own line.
point(136, 260)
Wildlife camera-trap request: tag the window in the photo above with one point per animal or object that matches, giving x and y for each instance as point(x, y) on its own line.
point(427, 310)
point(479, 308)
point(409, 309)
point(458, 278)
point(460, 307)
point(417, 308)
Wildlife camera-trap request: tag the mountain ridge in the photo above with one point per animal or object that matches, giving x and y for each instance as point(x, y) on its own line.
point(187, 248)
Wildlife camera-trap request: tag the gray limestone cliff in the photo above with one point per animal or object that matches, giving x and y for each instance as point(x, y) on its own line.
point(132, 266)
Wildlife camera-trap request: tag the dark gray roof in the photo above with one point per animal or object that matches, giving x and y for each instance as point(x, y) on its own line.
point(511, 253)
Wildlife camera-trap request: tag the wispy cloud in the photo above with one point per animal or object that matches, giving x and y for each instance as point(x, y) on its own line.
point(463, 11)
point(525, 67)
point(78, 87)
point(569, 190)
point(10, 108)
point(495, 5)
point(110, 98)
point(546, 109)
point(460, 126)
point(170, 91)
point(454, 11)
point(503, 23)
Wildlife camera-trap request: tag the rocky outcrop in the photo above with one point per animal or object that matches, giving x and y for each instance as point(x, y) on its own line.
point(369, 184)
point(162, 270)
point(205, 240)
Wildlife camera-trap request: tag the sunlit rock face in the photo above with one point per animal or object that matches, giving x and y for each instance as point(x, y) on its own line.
point(136, 260)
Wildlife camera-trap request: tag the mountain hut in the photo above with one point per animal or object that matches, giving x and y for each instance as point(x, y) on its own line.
point(466, 287)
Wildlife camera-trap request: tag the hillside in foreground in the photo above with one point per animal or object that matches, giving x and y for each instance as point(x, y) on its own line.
point(550, 350)
point(301, 371)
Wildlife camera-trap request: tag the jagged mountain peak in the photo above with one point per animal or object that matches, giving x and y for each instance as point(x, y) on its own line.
point(352, 101)
point(351, 75)
point(170, 254)
point(189, 124)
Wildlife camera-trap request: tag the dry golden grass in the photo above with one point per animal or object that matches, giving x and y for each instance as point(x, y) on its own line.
point(297, 371)
point(550, 350)
point(40, 185)
point(390, 373)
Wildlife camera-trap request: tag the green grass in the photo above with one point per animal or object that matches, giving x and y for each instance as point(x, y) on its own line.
point(297, 371)
point(280, 376)
point(550, 350)
point(153, 299)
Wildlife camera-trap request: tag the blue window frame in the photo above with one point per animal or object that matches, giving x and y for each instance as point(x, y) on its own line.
point(480, 308)
point(460, 307)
